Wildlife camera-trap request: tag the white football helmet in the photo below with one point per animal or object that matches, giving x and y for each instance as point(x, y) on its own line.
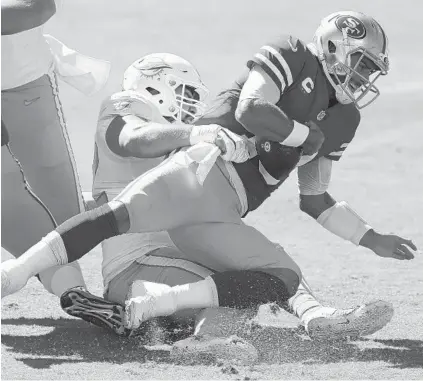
point(171, 83)
point(353, 49)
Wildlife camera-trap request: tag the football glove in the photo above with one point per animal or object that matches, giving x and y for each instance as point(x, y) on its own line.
point(234, 147)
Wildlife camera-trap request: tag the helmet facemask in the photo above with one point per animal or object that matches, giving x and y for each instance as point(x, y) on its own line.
point(351, 83)
point(189, 100)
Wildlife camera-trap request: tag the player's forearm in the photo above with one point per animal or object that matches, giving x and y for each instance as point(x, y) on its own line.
point(266, 120)
point(156, 140)
point(338, 218)
point(315, 205)
point(21, 15)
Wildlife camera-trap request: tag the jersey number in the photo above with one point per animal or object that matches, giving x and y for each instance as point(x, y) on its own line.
point(308, 85)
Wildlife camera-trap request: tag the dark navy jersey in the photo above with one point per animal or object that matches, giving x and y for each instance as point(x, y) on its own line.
point(305, 96)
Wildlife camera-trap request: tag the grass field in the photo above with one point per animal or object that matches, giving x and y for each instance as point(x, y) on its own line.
point(381, 176)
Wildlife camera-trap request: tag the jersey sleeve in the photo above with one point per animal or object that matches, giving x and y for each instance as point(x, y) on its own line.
point(339, 131)
point(126, 103)
point(119, 105)
point(282, 60)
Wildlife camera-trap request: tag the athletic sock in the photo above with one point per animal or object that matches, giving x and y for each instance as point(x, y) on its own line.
point(38, 258)
point(201, 294)
point(72, 239)
point(81, 233)
point(303, 303)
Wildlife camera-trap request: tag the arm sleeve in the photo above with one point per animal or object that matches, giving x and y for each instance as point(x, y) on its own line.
point(314, 177)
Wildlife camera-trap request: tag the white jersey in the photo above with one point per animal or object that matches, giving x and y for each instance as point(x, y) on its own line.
point(112, 173)
point(26, 56)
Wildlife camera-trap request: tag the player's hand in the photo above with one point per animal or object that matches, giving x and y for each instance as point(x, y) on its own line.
point(314, 139)
point(391, 246)
point(234, 147)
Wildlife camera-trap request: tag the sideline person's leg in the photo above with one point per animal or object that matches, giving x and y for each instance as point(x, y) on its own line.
point(38, 138)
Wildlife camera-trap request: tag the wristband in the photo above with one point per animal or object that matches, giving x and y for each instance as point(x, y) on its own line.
point(298, 135)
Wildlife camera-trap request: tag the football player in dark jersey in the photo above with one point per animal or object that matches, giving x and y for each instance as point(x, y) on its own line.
point(298, 104)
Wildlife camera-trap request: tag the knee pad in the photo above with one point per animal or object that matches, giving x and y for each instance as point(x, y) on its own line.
point(59, 279)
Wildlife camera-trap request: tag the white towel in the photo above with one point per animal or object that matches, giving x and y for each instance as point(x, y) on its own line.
point(203, 154)
point(86, 74)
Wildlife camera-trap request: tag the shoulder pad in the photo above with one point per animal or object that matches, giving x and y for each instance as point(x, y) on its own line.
point(282, 59)
point(126, 103)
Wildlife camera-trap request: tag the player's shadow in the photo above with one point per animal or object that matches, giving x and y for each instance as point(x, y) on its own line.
point(280, 345)
point(74, 341)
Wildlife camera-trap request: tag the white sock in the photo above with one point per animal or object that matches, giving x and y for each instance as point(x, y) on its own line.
point(303, 302)
point(48, 252)
point(201, 294)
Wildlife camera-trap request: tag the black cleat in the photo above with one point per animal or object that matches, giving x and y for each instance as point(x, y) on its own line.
point(80, 303)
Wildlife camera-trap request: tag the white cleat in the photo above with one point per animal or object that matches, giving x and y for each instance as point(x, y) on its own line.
point(13, 277)
point(199, 349)
point(147, 300)
point(355, 322)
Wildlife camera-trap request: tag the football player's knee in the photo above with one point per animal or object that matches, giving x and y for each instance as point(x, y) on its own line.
point(59, 279)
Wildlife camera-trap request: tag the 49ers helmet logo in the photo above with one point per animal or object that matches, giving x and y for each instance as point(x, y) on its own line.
point(352, 25)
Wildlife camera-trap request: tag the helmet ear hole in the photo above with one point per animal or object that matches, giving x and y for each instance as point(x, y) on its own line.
point(152, 91)
point(331, 47)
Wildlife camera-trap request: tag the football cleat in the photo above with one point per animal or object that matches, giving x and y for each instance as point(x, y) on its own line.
point(146, 300)
point(207, 349)
point(363, 320)
point(80, 303)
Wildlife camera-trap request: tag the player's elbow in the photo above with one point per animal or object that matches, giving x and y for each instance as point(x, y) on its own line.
point(17, 19)
point(46, 10)
point(136, 147)
point(246, 113)
point(243, 110)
